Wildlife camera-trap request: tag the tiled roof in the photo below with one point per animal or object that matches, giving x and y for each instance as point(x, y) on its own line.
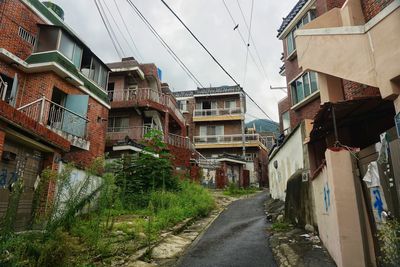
point(296, 9)
point(209, 91)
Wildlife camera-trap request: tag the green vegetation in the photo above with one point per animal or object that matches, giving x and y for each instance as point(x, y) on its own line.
point(234, 191)
point(389, 237)
point(281, 226)
point(124, 213)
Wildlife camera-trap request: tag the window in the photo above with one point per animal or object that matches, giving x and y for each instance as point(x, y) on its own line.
point(291, 44)
point(230, 104)
point(118, 124)
point(24, 34)
point(250, 156)
point(183, 105)
point(286, 122)
point(304, 87)
point(211, 130)
point(70, 49)
point(48, 39)
point(110, 90)
point(97, 72)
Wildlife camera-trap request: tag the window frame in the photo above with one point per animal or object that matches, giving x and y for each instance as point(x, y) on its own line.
point(310, 16)
point(294, 87)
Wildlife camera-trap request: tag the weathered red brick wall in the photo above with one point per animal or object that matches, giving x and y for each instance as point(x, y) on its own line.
point(2, 139)
point(17, 14)
point(353, 90)
point(372, 7)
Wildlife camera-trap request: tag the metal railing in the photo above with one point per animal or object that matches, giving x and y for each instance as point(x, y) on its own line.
point(230, 139)
point(146, 94)
point(138, 133)
point(3, 89)
point(217, 112)
point(56, 117)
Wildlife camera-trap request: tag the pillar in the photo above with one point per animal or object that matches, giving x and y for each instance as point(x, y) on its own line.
point(330, 87)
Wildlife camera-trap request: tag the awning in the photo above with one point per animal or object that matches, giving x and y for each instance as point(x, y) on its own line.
point(347, 114)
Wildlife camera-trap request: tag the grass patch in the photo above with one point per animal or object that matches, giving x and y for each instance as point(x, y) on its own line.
point(281, 226)
point(94, 239)
point(234, 191)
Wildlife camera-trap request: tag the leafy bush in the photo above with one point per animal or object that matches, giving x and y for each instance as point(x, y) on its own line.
point(389, 237)
point(137, 175)
point(234, 190)
point(281, 226)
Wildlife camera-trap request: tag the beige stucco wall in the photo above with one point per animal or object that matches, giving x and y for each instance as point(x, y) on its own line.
point(367, 54)
point(337, 211)
point(290, 158)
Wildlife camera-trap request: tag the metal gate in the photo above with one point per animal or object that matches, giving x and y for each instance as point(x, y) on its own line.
point(19, 162)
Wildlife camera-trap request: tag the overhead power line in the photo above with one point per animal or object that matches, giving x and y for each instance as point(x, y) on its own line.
point(243, 40)
point(115, 43)
point(248, 42)
point(251, 37)
point(165, 45)
point(212, 56)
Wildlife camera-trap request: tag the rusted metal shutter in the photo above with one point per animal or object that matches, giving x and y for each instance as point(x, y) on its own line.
point(24, 163)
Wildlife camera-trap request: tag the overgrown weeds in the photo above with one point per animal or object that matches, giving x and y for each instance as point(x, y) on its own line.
point(234, 190)
point(389, 237)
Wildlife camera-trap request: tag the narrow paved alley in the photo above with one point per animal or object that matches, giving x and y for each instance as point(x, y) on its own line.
point(236, 238)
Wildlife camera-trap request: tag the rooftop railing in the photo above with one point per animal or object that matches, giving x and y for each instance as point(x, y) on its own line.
point(217, 112)
point(230, 139)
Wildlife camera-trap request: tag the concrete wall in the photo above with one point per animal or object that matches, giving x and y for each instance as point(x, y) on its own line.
point(290, 158)
point(337, 212)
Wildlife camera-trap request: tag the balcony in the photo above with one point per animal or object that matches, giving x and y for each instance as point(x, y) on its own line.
point(145, 97)
point(137, 133)
point(60, 120)
point(221, 114)
point(235, 140)
point(366, 53)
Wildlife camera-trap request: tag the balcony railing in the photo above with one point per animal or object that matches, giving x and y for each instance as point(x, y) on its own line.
point(56, 117)
point(138, 132)
point(217, 112)
point(141, 94)
point(230, 139)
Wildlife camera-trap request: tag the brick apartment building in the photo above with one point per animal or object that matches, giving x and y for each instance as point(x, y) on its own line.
point(341, 66)
point(53, 104)
point(215, 122)
point(140, 102)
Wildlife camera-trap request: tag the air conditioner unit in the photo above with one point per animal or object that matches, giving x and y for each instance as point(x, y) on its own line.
point(8, 156)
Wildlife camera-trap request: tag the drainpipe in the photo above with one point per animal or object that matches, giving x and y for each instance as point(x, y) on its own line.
point(335, 127)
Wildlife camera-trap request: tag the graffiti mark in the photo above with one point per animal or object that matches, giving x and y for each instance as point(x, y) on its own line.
point(327, 197)
point(378, 203)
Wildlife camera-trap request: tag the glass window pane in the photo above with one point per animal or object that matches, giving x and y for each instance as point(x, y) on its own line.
point(293, 92)
point(47, 41)
point(211, 130)
point(77, 56)
point(286, 120)
point(314, 82)
point(305, 19)
point(67, 46)
point(306, 84)
point(94, 71)
point(313, 14)
point(203, 130)
point(299, 90)
point(290, 43)
point(219, 130)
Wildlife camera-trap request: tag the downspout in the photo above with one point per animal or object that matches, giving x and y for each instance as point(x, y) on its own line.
point(243, 128)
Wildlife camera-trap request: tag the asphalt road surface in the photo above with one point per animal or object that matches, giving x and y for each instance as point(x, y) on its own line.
point(236, 238)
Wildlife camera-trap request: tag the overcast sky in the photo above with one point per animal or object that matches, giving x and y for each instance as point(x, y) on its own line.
point(210, 21)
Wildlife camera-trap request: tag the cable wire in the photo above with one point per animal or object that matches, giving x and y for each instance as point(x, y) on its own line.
point(108, 30)
point(252, 40)
point(212, 56)
point(248, 43)
point(129, 33)
point(165, 45)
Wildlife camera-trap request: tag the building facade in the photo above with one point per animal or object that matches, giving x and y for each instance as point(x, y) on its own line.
point(141, 102)
point(215, 122)
point(53, 104)
point(342, 74)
